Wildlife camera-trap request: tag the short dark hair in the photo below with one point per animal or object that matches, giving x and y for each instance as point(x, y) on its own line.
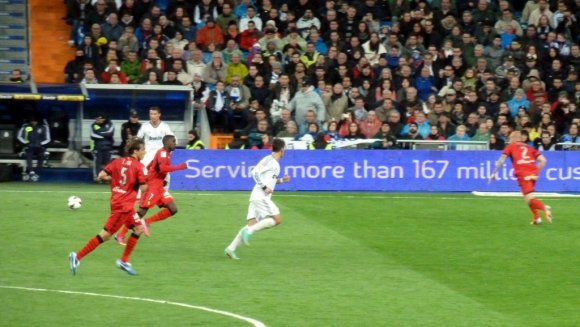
point(155, 108)
point(278, 145)
point(168, 138)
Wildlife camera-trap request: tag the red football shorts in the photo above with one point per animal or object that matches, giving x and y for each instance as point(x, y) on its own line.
point(118, 219)
point(155, 197)
point(527, 185)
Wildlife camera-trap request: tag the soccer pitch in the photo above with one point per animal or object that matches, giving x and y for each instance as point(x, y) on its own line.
point(338, 259)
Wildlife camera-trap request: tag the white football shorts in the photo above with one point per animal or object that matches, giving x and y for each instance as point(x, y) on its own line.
point(262, 208)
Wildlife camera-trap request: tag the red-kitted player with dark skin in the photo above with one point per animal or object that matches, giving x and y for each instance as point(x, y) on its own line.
point(157, 195)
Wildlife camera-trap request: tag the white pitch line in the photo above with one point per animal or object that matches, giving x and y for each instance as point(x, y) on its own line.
point(254, 322)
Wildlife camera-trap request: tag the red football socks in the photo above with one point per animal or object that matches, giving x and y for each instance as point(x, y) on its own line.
point(122, 232)
point(160, 215)
point(92, 244)
point(131, 243)
point(536, 205)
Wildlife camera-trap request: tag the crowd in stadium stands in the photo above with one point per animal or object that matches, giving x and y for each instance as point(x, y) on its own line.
point(322, 70)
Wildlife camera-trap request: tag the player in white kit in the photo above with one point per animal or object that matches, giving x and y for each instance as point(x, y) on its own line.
point(152, 134)
point(262, 212)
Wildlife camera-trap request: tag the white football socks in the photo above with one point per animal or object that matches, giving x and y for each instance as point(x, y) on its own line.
point(262, 224)
point(237, 241)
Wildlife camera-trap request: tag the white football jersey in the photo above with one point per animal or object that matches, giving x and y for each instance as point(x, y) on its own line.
point(153, 136)
point(265, 174)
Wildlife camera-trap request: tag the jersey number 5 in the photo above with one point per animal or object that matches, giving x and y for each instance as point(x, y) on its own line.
point(123, 180)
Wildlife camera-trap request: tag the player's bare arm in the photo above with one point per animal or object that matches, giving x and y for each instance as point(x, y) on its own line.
point(104, 176)
point(498, 164)
point(284, 179)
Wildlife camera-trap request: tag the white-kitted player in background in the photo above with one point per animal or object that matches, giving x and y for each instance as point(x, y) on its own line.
point(262, 212)
point(152, 133)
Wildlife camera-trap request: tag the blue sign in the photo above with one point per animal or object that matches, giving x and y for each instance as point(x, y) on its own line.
point(371, 170)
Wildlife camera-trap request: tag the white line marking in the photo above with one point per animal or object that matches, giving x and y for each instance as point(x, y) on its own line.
point(310, 195)
point(254, 322)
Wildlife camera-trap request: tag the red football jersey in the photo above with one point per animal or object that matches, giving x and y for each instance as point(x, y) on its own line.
point(159, 167)
point(523, 158)
point(126, 176)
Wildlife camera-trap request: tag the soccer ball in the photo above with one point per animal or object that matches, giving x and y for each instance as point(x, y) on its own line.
point(74, 202)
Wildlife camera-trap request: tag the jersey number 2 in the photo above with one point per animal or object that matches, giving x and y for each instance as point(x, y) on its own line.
point(524, 152)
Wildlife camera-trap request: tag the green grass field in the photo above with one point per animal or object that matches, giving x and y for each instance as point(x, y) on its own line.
point(338, 259)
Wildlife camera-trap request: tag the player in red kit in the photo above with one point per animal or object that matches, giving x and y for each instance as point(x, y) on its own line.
point(156, 194)
point(524, 159)
point(126, 175)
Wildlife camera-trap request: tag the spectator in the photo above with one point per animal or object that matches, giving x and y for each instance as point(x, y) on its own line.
point(211, 33)
point(217, 106)
point(304, 100)
point(336, 103)
point(412, 135)
point(290, 131)
point(387, 139)
point(370, 125)
point(113, 68)
point(237, 143)
point(239, 101)
point(216, 70)
point(571, 137)
point(482, 134)
point(320, 143)
point(545, 142)
point(131, 67)
point(459, 136)
point(495, 142)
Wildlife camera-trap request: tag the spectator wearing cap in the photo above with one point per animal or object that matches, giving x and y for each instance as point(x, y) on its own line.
point(294, 39)
point(518, 101)
point(507, 69)
point(270, 36)
point(210, 33)
point(306, 99)
point(129, 130)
